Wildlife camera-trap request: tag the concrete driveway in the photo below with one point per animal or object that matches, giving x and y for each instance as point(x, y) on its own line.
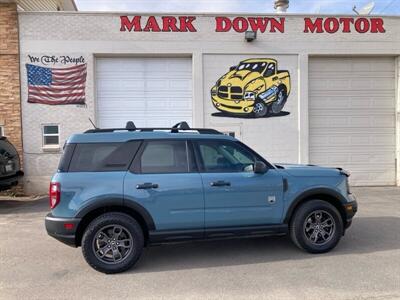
point(365, 265)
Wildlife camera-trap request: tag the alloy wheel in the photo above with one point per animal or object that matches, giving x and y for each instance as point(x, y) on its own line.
point(112, 244)
point(319, 227)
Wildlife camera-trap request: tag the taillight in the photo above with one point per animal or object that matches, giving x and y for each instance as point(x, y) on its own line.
point(54, 194)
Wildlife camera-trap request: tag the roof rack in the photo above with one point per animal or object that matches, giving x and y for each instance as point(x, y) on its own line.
point(179, 127)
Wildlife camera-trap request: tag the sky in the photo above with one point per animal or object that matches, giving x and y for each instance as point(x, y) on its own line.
point(388, 7)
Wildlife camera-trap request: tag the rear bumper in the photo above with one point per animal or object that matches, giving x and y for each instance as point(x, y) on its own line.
point(56, 227)
point(9, 181)
point(350, 209)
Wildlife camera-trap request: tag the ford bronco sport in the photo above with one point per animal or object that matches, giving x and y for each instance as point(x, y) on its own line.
point(118, 190)
point(255, 86)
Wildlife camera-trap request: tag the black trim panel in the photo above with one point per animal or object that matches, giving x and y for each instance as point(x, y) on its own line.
point(118, 201)
point(55, 228)
point(170, 236)
point(310, 193)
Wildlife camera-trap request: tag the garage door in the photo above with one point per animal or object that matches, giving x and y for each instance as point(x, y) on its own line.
point(153, 92)
point(352, 117)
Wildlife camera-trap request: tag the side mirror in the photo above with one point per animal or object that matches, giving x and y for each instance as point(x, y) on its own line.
point(260, 167)
point(232, 68)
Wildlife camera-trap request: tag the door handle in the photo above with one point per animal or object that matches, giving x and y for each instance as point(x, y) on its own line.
point(220, 183)
point(147, 185)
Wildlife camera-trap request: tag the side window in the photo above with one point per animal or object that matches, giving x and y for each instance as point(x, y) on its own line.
point(222, 156)
point(270, 70)
point(164, 157)
point(96, 157)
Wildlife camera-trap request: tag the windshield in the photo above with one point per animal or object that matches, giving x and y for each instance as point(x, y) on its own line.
point(254, 67)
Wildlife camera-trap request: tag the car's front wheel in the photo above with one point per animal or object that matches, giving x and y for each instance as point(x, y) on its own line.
point(260, 109)
point(316, 226)
point(112, 243)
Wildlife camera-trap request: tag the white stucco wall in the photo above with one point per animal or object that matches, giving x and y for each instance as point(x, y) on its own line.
point(94, 35)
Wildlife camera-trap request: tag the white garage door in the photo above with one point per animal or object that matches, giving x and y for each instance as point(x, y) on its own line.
point(352, 117)
point(151, 92)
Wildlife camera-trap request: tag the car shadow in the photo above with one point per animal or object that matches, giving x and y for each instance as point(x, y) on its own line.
point(24, 206)
point(367, 235)
point(248, 116)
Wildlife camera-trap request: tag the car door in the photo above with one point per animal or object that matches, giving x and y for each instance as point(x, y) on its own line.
point(234, 194)
point(162, 181)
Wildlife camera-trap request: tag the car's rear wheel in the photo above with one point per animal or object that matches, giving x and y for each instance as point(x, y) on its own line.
point(316, 226)
point(281, 97)
point(112, 243)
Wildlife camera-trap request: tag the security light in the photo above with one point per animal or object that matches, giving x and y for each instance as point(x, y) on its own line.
point(250, 36)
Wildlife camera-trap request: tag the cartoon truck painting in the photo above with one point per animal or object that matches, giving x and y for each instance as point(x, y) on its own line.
point(254, 87)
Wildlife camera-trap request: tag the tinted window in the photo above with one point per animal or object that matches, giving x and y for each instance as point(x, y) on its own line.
point(164, 157)
point(103, 157)
point(221, 156)
point(66, 157)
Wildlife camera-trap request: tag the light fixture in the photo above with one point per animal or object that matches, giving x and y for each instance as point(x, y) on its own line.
point(250, 36)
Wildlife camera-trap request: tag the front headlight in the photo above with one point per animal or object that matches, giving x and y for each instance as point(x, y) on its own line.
point(249, 96)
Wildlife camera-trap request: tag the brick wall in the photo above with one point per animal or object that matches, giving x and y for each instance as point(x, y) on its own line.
point(10, 104)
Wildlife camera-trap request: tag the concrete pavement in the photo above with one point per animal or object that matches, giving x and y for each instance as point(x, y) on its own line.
point(365, 265)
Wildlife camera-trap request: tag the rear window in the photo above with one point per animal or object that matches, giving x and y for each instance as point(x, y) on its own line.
point(103, 157)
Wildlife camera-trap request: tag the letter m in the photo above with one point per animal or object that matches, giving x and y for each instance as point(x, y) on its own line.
point(126, 24)
point(310, 26)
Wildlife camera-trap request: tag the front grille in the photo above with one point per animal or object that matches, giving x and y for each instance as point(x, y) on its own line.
point(230, 92)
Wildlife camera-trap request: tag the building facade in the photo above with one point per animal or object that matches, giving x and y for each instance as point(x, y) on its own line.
point(10, 102)
point(329, 84)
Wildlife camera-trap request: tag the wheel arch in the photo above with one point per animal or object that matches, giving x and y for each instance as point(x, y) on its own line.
point(324, 194)
point(136, 211)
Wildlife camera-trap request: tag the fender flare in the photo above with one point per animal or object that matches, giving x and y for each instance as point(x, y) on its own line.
point(119, 202)
point(332, 194)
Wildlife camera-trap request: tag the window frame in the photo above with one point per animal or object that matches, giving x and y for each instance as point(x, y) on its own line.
point(199, 159)
point(50, 146)
point(190, 157)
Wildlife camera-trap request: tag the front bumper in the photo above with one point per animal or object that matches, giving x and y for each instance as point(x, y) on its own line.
point(350, 209)
point(232, 106)
point(62, 229)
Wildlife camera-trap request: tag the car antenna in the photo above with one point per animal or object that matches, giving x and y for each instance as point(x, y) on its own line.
point(95, 127)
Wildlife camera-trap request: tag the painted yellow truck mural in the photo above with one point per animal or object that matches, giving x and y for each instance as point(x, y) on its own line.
point(253, 87)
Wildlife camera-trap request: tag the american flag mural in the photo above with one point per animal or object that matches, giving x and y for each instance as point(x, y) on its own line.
point(56, 85)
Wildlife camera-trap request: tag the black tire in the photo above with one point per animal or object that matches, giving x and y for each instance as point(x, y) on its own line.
point(105, 226)
point(260, 109)
point(277, 106)
point(302, 229)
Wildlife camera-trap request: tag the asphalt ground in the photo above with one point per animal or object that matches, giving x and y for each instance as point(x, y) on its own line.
point(365, 265)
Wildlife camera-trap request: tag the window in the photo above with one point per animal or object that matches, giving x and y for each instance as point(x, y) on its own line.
point(270, 70)
point(2, 131)
point(164, 157)
point(51, 136)
point(223, 156)
point(96, 157)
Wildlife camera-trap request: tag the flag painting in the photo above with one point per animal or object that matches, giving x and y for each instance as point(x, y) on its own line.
point(56, 86)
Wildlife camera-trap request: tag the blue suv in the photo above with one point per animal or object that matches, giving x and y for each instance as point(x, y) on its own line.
point(119, 190)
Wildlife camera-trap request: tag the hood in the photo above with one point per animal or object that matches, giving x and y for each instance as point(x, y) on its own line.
point(308, 170)
point(239, 78)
